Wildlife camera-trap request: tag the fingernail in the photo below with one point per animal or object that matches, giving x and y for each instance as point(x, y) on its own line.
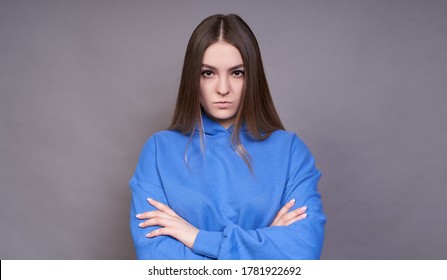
point(304, 208)
point(292, 201)
point(139, 215)
point(140, 224)
point(305, 215)
point(150, 199)
point(148, 235)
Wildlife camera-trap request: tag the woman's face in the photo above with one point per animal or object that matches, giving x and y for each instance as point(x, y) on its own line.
point(221, 82)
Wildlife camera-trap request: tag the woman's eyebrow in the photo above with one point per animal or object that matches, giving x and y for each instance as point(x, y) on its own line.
point(237, 67)
point(231, 69)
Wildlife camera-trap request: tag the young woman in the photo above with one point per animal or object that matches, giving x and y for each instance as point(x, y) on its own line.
point(225, 181)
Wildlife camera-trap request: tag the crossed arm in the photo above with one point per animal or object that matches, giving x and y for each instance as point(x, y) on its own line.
point(175, 226)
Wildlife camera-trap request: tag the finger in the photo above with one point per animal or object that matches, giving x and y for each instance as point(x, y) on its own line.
point(153, 218)
point(293, 214)
point(161, 206)
point(159, 221)
point(158, 232)
point(284, 220)
point(300, 217)
point(152, 214)
point(283, 210)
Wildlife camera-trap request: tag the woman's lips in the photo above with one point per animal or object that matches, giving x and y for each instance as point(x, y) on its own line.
point(223, 104)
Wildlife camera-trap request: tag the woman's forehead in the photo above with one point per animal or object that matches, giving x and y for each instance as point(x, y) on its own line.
point(222, 55)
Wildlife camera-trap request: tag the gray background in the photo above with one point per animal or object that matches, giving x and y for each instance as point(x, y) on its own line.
point(83, 84)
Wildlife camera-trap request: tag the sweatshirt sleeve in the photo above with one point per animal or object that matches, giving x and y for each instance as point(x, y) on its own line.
point(300, 240)
point(146, 183)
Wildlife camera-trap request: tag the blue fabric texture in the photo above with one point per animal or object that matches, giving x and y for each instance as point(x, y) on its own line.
point(212, 188)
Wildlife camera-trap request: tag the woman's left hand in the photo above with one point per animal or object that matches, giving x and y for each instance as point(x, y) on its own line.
point(170, 224)
point(285, 218)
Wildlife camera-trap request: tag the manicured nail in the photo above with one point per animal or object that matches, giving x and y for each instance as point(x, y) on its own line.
point(292, 201)
point(140, 224)
point(139, 215)
point(148, 235)
point(304, 208)
point(150, 200)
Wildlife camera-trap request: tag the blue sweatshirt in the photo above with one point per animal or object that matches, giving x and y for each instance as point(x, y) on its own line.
point(232, 207)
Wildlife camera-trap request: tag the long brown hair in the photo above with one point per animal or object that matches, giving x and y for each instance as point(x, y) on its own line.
point(256, 107)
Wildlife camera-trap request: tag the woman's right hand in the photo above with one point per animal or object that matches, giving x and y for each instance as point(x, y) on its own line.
point(285, 218)
point(170, 224)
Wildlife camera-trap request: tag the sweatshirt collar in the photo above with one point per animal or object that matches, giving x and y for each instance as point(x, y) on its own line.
point(211, 127)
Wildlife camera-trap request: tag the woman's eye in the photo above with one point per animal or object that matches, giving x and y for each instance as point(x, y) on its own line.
point(207, 73)
point(238, 73)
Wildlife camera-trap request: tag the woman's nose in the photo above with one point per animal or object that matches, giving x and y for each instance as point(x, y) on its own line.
point(223, 87)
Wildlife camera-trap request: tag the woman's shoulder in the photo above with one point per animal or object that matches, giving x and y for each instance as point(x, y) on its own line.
point(163, 139)
point(287, 135)
point(289, 138)
point(166, 135)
